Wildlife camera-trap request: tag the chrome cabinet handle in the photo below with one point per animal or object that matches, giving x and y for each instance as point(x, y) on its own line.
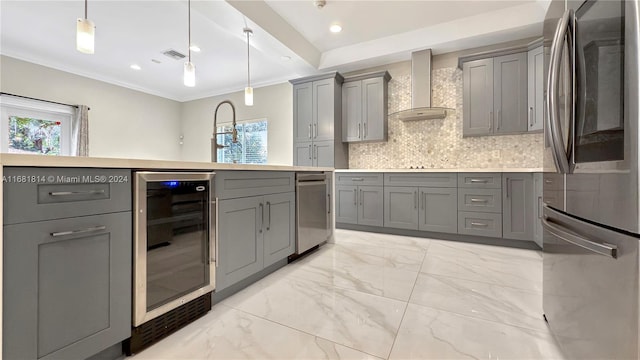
point(508, 181)
point(357, 179)
point(575, 239)
point(539, 207)
point(355, 197)
point(499, 119)
point(423, 199)
point(479, 200)
point(315, 151)
point(415, 199)
point(358, 131)
point(81, 231)
point(479, 224)
point(361, 197)
point(547, 181)
point(365, 130)
point(70, 193)
point(531, 117)
point(481, 181)
point(309, 151)
point(309, 131)
point(490, 120)
point(315, 131)
point(269, 217)
point(329, 204)
point(261, 218)
point(216, 232)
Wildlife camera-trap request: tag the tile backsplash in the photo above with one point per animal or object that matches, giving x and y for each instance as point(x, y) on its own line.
point(439, 143)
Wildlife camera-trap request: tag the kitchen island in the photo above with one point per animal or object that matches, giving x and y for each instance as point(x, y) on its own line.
point(69, 222)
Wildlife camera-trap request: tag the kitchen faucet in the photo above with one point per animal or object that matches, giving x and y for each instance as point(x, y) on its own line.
point(214, 140)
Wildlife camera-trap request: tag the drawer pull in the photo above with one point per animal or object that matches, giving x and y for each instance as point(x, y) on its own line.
point(547, 181)
point(479, 224)
point(480, 181)
point(478, 200)
point(75, 232)
point(357, 179)
point(70, 193)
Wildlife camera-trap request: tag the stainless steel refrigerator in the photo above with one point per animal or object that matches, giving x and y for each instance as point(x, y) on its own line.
point(591, 189)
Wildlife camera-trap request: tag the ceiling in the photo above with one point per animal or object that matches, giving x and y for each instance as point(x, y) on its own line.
point(291, 38)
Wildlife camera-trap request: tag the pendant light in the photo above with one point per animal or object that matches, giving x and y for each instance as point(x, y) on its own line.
point(248, 91)
point(85, 33)
point(189, 68)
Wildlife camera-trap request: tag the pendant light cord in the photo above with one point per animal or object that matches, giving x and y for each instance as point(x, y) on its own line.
point(85, 10)
point(248, 31)
point(189, 30)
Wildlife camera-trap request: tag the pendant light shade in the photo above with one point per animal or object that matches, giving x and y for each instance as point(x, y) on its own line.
point(85, 34)
point(189, 68)
point(248, 91)
point(189, 74)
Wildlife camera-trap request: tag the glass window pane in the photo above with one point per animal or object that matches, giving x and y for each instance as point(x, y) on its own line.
point(34, 136)
point(251, 147)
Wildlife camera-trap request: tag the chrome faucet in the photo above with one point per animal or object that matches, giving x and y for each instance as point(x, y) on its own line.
point(214, 140)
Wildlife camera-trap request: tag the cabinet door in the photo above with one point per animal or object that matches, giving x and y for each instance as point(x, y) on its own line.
point(279, 227)
point(535, 81)
point(373, 110)
point(324, 111)
point(323, 153)
point(510, 93)
point(477, 97)
point(401, 207)
point(517, 206)
point(537, 208)
point(346, 204)
point(439, 209)
point(240, 242)
point(302, 112)
point(66, 296)
point(370, 210)
point(352, 111)
point(303, 153)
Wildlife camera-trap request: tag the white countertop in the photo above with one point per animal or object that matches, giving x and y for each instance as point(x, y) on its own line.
point(441, 170)
point(94, 162)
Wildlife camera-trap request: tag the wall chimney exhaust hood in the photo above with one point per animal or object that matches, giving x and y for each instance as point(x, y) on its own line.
point(421, 91)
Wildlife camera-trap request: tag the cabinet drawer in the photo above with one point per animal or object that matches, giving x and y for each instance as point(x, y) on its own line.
point(373, 179)
point(236, 184)
point(480, 180)
point(420, 179)
point(481, 224)
point(483, 200)
point(35, 194)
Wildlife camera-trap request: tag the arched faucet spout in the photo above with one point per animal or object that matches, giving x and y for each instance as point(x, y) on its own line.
point(234, 132)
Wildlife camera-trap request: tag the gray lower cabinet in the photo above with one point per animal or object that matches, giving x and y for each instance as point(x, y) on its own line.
point(67, 286)
point(361, 205)
point(253, 233)
point(421, 208)
point(517, 206)
point(480, 224)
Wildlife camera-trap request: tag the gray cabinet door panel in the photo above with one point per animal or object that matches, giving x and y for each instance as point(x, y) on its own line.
point(279, 227)
point(518, 217)
point(359, 178)
point(66, 296)
point(481, 224)
point(510, 93)
point(480, 180)
point(352, 111)
point(240, 243)
point(373, 110)
point(477, 97)
point(401, 207)
point(302, 112)
point(483, 200)
point(370, 209)
point(421, 179)
point(302, 153)
point(64, 193)
point(324, 111)
point(323, 153)
point(346, 204)
point(535, 82)
point(439, 210)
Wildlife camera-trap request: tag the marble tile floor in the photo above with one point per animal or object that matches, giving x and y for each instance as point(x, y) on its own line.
point(377, 296)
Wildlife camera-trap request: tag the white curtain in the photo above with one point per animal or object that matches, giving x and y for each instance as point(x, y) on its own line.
point(80, 132)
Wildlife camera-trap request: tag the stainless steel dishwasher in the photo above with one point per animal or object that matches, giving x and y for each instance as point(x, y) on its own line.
point(312, 211)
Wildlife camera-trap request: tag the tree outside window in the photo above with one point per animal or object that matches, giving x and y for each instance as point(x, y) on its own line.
point(252, 143)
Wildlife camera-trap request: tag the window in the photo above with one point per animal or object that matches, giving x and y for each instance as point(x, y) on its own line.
point(34, 127)
point(251, 147)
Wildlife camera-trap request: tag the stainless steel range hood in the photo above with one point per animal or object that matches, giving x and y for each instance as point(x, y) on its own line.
point(421, 108)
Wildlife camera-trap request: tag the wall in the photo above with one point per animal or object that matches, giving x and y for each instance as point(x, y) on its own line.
point(122, 122)
point(275, 103)
point(439, 143)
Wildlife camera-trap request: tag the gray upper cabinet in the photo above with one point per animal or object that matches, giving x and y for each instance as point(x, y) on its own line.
point(279, 227)
point(535, 102)
point(364, 107)
point(510, 93)
point(517, 206)
point(477, 106)
point(317, 121)
point(495, 95)
point(439, 210)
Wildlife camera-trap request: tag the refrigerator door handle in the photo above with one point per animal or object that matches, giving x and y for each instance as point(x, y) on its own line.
point(571, 237)
point(553, 120)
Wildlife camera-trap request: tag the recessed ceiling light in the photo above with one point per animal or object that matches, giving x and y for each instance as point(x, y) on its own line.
point(335, 28)
point(135, 67)
point(156, 61)
point(194, 48)
point(285, 58)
